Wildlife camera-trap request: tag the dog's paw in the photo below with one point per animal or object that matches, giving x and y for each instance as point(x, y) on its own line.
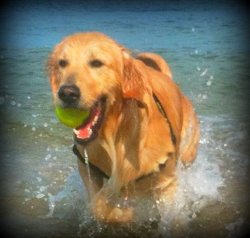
point(121, 215)
point(106, 212)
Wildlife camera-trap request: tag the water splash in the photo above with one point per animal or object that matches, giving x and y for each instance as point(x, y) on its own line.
point(202, 184)
point(70, 200)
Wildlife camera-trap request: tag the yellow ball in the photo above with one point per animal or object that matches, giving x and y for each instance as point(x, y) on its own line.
point(71, 117)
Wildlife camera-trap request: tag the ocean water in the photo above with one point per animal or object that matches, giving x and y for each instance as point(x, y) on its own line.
point(206, 46)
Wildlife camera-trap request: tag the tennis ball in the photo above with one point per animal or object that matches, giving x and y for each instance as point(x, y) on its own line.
point(71, 117)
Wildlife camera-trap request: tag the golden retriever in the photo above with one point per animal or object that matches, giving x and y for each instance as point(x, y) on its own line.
point(140, 123)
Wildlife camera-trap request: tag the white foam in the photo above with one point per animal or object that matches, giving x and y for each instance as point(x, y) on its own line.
point(203, 73)
point(198, 185)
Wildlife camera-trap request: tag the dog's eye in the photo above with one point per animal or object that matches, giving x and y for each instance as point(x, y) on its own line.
point(63, 63)
point(96, 63)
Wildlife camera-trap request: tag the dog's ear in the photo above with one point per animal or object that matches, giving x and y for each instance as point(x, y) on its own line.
point(134, 81)
point(52, 75)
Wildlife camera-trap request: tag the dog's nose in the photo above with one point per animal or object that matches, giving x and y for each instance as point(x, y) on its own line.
point(69, 93)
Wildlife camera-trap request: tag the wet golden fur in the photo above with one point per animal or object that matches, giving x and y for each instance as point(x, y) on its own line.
point(134, 148)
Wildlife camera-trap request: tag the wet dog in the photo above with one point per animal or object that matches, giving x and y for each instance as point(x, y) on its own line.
point(140, 123)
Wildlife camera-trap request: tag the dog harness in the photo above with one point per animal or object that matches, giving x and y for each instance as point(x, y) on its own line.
point(164, 114)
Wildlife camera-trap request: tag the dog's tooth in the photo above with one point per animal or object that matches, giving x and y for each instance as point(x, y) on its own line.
point(76, 132)
point(95, 120)
point(90, 131)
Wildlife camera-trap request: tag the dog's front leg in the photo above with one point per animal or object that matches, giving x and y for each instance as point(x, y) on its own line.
point(93, 179)
point(103, 201)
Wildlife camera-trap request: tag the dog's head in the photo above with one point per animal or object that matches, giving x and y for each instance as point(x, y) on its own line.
point(91, 71)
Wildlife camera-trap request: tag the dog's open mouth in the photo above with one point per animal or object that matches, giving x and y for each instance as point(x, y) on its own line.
point(88, 131)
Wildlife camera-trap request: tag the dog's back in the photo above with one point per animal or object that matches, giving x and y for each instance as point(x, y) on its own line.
point(189, 131)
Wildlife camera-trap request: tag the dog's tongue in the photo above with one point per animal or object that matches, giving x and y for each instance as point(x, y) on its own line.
point(85, 131)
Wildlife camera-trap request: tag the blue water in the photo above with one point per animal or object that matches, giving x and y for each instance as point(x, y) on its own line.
point(206, 46)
